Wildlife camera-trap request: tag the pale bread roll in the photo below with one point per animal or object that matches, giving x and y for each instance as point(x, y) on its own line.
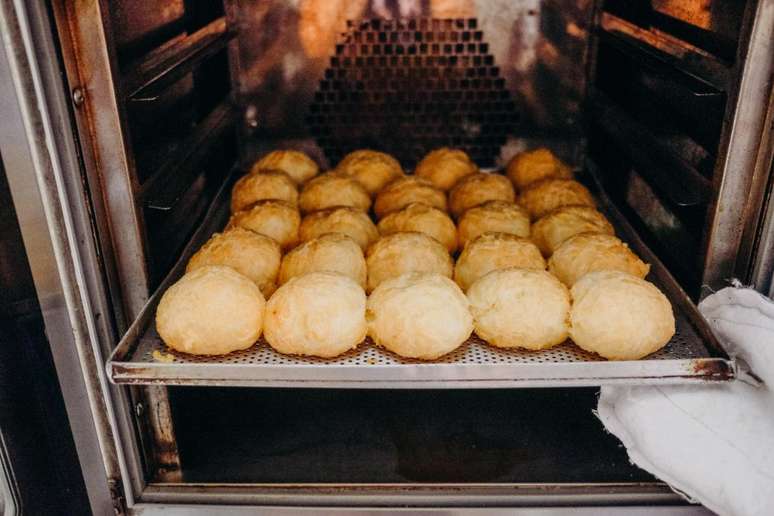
point(261, 186)
point(352, 222)
point(619, 316)
point(212, 310)
point(423, 219)
point(370, 168)
point(543, 197)
point(590, 252)
point(529, 167)
point(520, 308)
point(407, 190)
point(476, 189)
point(332, 190)
point(277, 220)
point(444, 167)
point(332, 252)
point(321, 314)
point(399, 253)
point(493, 251)
point(295, 164)
point(419, 315)
point(255, 256)
point(550, 231)
point(493, 217)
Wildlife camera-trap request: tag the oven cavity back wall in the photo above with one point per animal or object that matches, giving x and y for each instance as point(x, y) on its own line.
point(407, 76)
point(409, 86)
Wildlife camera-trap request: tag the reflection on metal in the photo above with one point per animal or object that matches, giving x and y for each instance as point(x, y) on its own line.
point(9, 497)
point(44, 179)
point(584, 499)
point(89, 64)
point(539, 48)
point(433, 79)
point(166, 461)
point(739, 151)
point(320, 508)
point(756, 261)
point(684, 55)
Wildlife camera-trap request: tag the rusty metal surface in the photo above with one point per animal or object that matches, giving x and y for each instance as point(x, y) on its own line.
point(90, 64)
point(539, 48)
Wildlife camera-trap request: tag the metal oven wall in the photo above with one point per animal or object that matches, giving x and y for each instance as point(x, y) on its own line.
point(406, 76)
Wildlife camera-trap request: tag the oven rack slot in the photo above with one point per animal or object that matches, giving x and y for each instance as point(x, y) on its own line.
point(681, 184)
point(665, 47)
point(172, 61)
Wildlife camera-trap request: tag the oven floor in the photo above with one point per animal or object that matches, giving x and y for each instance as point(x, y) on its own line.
point(355, 436)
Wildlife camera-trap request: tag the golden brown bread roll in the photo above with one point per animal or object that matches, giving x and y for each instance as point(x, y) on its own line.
point(493, 217)
point(545, 196)
point(212, 310)
point(423, 219)
point(590, 252)
point(277, 220)
point(332, 190)
point(406, 190)
point(255, 256)
point(492, 251)
point(370, 168)
point(444, 167)
point(352, 222)
point(261, 186)
point(528, 167)
point(550, 231)
point(295, 164)
point(320, 314)
point(620, 316)
point(332, 252)
point(400, 253)
point(476, 189)
point(520, 308)
point(419, 315)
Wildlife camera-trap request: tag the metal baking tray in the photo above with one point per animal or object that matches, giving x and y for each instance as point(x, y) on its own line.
point(692, 355)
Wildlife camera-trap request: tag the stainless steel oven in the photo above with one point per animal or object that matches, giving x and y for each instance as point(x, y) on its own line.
point(124, 122)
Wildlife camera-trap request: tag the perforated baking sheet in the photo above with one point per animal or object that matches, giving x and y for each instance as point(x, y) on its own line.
point(692, 355)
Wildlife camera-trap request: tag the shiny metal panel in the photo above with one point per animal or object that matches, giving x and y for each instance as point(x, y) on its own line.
point(9, 497)
point(756, 261)
point(186, 510)
point(56, 215)
point(90, 64)
point(736, 198)
point(539, 47)
point(451, 497)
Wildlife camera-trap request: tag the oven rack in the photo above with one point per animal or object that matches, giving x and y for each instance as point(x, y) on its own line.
point(141, 358)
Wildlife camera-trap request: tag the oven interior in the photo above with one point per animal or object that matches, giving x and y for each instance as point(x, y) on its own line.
point(635, 94)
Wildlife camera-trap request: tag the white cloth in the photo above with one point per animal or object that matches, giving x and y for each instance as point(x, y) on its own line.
point(714, 442)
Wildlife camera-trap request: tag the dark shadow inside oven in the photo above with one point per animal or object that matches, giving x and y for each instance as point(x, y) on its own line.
point(395, 436)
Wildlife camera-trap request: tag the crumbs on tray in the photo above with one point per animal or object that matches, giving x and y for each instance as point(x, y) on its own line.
point(158, 356)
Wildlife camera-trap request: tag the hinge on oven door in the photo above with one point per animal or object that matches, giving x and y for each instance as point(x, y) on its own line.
point(117, 495)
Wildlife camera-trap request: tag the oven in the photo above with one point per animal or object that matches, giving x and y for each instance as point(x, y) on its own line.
point(125, 124)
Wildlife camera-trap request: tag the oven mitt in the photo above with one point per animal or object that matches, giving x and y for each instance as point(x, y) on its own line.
point(713, 443)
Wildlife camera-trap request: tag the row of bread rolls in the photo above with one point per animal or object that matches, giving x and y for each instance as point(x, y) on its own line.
point(317, 311)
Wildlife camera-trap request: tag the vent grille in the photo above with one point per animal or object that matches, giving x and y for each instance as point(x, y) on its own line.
point(408, 86)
